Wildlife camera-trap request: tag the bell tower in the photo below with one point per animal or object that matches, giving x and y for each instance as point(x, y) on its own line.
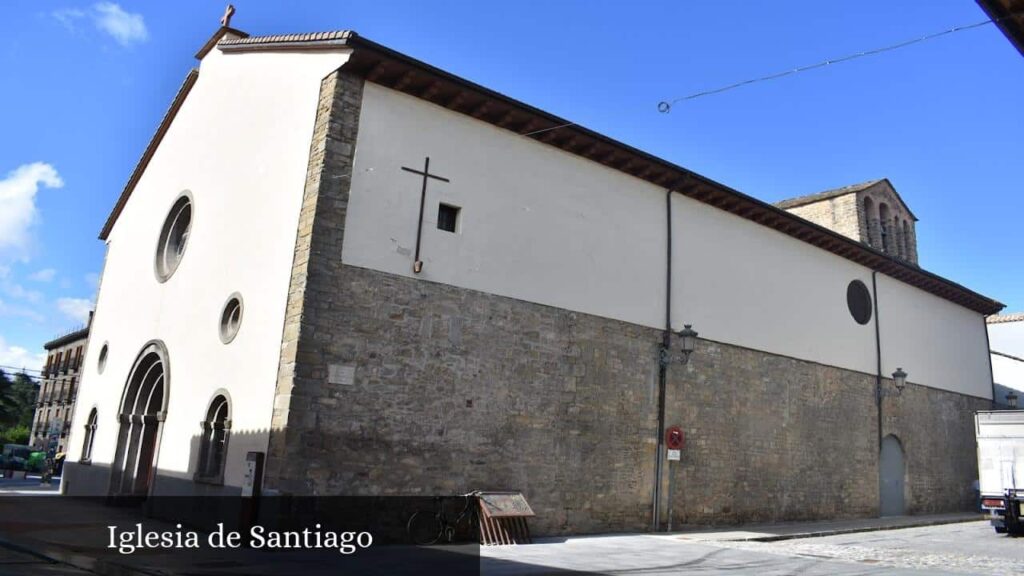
point(871, 213)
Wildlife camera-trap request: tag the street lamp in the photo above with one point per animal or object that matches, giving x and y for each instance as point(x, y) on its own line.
point(899, 378)
point(1011, 399)
point(689, 336)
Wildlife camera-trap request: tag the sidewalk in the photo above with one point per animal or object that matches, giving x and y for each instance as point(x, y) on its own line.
point(775, 531)
point(32, 545)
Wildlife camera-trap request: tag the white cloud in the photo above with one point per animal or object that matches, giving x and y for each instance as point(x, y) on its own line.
point(20, 312)
point(69, 17)
point(18, 357)
point(125, 27)
point(18, 204)
point(44, 275)
point(10, 288)
point(76, 308)
point(19, 292)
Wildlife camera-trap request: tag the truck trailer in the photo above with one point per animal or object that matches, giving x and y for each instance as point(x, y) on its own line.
point(1000, 437)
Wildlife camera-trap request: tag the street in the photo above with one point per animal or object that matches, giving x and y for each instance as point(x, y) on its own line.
point(29, 485)
point(960, 548)
point(937, 544)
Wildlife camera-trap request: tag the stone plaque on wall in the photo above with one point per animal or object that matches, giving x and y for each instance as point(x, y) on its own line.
point(342, 374)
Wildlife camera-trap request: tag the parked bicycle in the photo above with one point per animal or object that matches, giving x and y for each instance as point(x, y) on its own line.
point(427, 527)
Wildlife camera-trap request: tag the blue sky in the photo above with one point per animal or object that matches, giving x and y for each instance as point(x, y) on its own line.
point(86, 83)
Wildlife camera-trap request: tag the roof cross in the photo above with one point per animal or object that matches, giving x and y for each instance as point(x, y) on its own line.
point(225, 20)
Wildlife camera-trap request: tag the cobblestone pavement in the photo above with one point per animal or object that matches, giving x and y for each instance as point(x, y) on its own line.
point(970, 548)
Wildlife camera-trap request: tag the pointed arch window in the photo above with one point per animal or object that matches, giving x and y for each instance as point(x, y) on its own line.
point(214, 446)
point(90, 436)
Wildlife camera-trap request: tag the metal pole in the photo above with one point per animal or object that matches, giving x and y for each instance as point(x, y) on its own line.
point(878, 357)
point(659, 455)
point(671, 478)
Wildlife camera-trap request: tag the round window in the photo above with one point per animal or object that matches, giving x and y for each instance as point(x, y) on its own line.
point(174, 237)
point(102, 362)
point(231, 318)
point(858, 299)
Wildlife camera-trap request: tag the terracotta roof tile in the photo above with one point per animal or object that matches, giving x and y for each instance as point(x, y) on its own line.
point(317, 37)
point(1002, 318)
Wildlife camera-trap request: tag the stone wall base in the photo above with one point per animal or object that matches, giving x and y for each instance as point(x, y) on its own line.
point(454, 390)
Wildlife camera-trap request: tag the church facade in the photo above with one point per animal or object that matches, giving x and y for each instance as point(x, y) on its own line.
point(390, 280)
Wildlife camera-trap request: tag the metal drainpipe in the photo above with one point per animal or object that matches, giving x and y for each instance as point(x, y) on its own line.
point(878, 356)
point(988, 351)
point(663, 367)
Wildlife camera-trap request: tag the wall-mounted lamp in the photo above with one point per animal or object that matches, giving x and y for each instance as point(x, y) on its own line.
point(1011, 399)
point(689, 337)
point(899, 379)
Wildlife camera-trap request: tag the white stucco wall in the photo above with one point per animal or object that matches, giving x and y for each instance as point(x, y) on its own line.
point(1008, 371)
point(936, 342)
point(545, 226)
point(240, 144)
point(1007, 337)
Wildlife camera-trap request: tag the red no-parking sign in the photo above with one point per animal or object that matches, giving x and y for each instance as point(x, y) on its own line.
point(674, 438)
point(674, 441)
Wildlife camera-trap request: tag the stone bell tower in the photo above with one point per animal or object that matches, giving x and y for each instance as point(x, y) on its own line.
point(871, 213)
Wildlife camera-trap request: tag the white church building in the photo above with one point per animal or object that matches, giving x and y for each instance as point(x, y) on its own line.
point(387, 279)
point(1006, 342)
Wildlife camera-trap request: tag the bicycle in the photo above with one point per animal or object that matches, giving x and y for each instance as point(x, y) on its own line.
point(426, 527)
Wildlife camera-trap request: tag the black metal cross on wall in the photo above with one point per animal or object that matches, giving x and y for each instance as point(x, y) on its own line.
point(417, 265)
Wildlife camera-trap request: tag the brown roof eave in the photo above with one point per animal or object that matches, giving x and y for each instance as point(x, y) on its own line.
point(147, 155)
point(391, 69)
point(369, 58)
point(1009, 16)
point(216, 38)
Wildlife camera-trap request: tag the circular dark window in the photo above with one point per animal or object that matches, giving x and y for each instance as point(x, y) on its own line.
point(102, 362)
point(174, 237)
point(859, 301)
point(231, 318)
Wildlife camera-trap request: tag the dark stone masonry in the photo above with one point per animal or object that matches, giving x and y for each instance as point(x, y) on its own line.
point(394, 385)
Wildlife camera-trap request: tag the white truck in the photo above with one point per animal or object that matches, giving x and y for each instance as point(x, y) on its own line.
point(1000, 436)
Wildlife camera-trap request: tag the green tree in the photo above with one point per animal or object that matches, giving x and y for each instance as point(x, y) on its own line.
point(8, 408)
point(14, 435)
point(17, 400)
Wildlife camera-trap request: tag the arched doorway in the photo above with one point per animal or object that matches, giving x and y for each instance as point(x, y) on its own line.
point(891, 470)
point(141, 416)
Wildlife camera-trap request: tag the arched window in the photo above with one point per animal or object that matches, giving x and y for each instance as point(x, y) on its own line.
point(214, 446)
point(90, 435)
point(907, 244)
point(884, 218)
point(870, 221)
point(900, 242)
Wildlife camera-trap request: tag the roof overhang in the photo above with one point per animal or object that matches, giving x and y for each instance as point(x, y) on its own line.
point(75, 336)
point(1009, 16)
point(838, 192)
point(391, 69)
